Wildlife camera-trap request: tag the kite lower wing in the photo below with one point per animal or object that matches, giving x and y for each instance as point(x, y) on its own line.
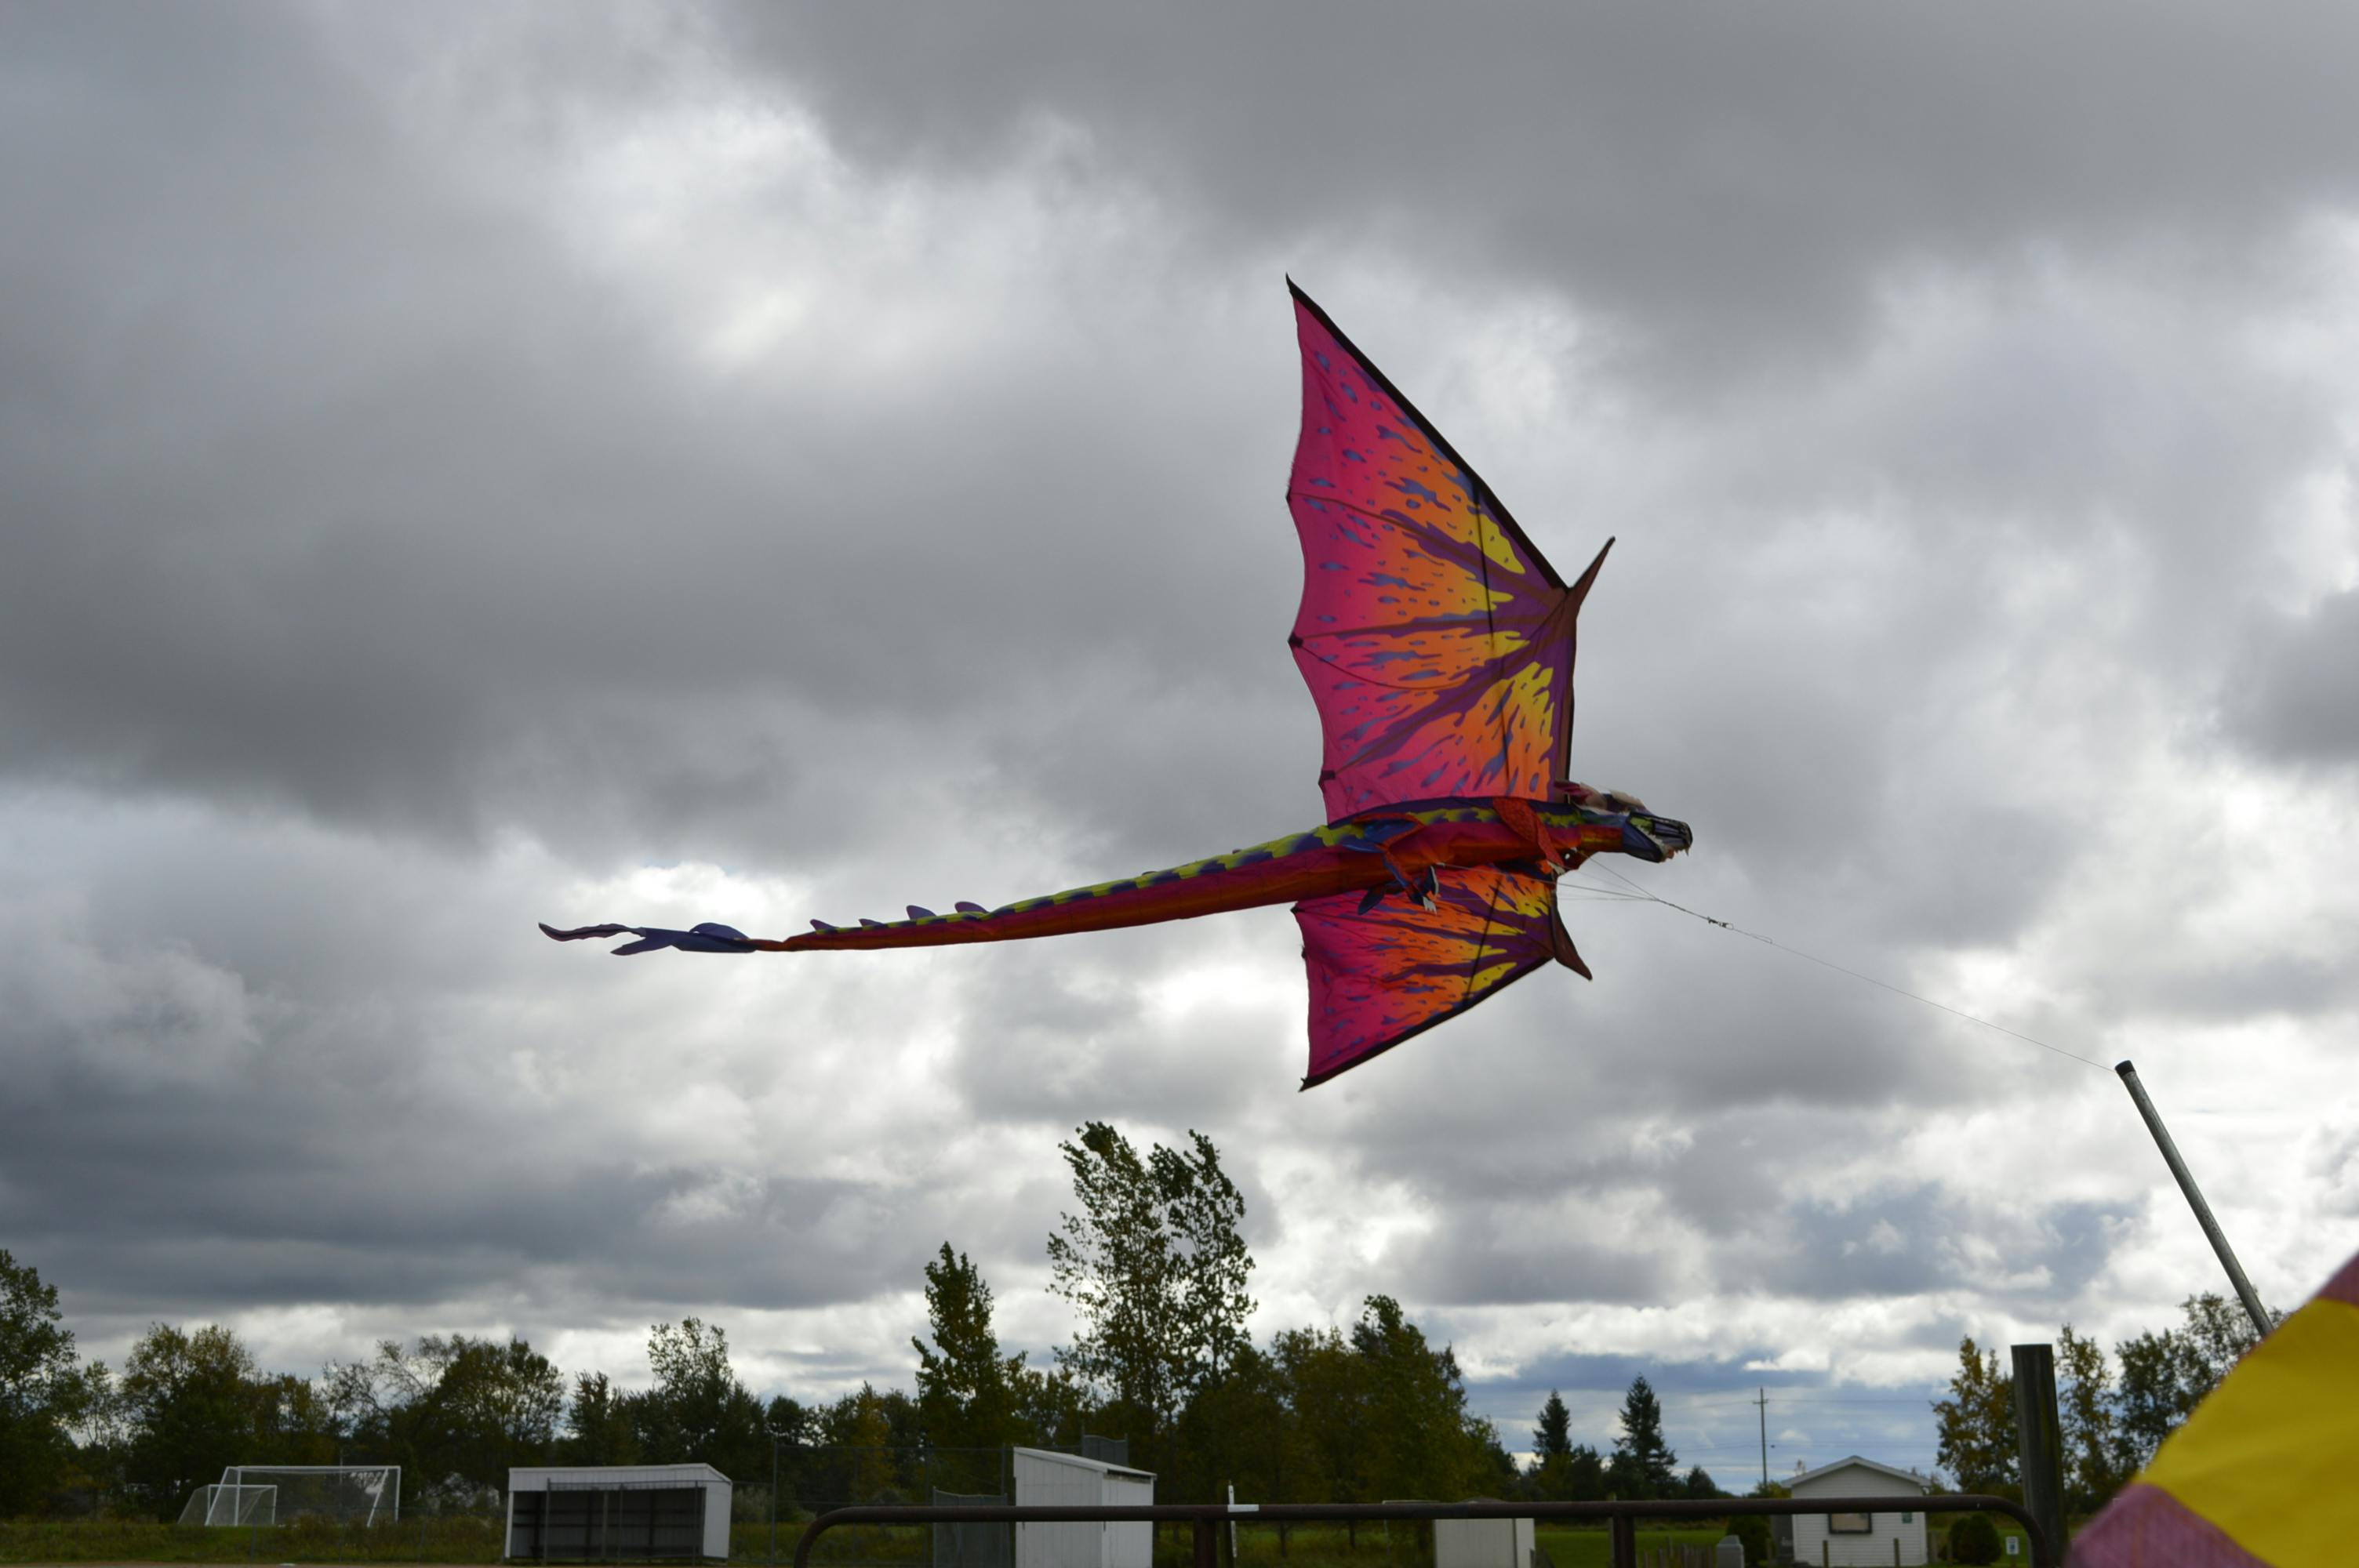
point(1383, 972)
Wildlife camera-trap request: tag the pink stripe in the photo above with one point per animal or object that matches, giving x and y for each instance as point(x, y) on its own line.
point(2146, 1527)
point(2344, 1286)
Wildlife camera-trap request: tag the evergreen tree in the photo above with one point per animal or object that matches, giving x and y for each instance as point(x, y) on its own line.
point(1551, 1449)
point(1642, 1458)
point(1700, 1485)
point(1552, 1438)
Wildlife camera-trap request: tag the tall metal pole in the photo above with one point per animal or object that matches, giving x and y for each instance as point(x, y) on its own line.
point(2244, 1292)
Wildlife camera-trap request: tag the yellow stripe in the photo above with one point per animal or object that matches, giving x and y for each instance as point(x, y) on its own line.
point(2272, 1457)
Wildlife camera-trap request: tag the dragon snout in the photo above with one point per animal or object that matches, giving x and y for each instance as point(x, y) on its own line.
point(1655, 838)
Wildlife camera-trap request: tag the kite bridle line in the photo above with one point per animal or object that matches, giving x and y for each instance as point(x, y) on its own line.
point(1639, 894)
point(2262, 1320)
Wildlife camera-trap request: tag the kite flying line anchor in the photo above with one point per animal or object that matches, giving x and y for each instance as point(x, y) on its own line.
point(2212, 1231)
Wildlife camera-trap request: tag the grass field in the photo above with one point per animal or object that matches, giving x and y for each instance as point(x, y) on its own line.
point(468, 1539)
point(471, 1538)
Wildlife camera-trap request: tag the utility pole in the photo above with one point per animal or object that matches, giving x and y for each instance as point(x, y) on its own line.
point(2228, 1255)
point(1761, 1398)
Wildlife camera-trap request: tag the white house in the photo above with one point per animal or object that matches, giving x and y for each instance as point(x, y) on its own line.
point(1861, 1540)
point(605, 1512)
point(1043, 1477)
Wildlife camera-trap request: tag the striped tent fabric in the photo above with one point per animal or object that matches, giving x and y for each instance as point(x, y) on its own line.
point(2267, 1469)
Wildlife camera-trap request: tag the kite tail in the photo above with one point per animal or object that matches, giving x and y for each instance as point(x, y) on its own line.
point(1282, 871)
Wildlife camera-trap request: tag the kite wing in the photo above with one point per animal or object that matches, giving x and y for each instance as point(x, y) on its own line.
point(1381, 972)
point(1437, 640)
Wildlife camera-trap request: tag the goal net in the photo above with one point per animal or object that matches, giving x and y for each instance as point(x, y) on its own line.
point(215, 1504)
point(281, 1494)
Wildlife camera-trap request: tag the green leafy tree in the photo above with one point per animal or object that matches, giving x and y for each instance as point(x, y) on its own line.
point(43, 1392)
point(1976, 1423)
point(188, 1404)
point(1700, 1485)
point(2164, 1376)
point(1327, 1400)
point(966, 1388)
point(1155, 1265)
point(882, 1446)
point(698, 1410)
point(1974, 1539)
point(1753, 1531)
point(455, 1411)
point(1237, 1431)
point(1642, 1461)
point(1052, 1405)
point(601, 1426)
point(1423, 1441)
point(2092, 1431)
point(1584, 1474)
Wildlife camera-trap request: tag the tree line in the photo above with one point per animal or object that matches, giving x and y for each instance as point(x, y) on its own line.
point(2114, 1410)
point(1151, 1259)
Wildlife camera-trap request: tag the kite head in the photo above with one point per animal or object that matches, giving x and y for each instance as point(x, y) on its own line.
point(1644, 835)
point(1657, 839)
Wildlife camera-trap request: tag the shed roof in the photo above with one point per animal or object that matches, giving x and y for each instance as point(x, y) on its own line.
point(538, 1477)
point(1077, 1461)
point(1855, 1462)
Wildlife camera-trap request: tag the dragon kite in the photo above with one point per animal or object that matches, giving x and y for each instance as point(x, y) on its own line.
point(1439, 644)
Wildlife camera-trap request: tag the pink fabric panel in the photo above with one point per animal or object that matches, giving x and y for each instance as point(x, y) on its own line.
point(2146, 1527)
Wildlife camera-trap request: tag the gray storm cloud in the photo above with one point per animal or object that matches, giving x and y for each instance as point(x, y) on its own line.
point(475, 466)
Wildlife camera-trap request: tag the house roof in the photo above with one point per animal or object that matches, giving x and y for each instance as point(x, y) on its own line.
point(1854, 1461)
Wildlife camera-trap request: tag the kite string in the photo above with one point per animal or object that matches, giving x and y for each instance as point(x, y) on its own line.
point(1828, 963)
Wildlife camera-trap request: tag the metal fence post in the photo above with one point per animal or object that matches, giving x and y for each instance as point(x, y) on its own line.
point(1208, 1545)
point(1625, 1542)
point(2040, 1439)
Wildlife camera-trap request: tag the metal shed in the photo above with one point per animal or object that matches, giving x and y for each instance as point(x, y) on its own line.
point(580, 1513)
point(1042, 1477)
point(1483, 1542)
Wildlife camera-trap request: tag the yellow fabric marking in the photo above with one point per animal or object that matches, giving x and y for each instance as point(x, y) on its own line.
point(1495, 542)
point(2272, 1457)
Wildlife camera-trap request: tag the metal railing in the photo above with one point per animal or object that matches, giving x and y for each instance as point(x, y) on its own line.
point(1621, 1518)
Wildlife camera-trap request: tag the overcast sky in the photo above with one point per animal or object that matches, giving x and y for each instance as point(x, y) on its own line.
point(472, 465)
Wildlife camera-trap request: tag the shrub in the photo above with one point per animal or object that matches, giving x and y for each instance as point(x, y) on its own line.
point(1974, 1539)
point(1754, 1530)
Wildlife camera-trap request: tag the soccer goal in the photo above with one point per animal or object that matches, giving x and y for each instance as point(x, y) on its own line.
point(281, 1494)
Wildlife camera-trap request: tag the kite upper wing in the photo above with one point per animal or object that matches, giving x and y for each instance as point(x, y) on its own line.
point(1382, 973)
point(1437, 640)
